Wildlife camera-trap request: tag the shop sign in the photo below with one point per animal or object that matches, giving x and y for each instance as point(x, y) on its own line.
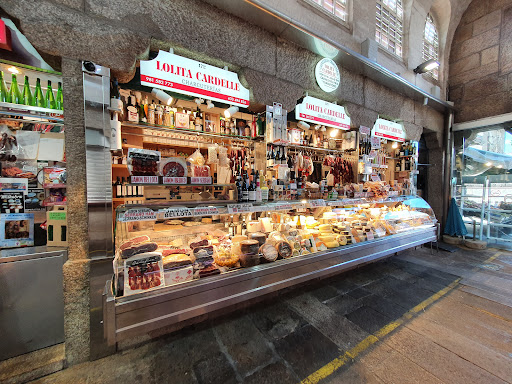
point(240, 208)
point(201, 180)
point(206, 211)
point(172, 213)
point(327, 75)
point(190, 77)
point(322, 112)
point(144, 179)
point(137, 214)
point(174, 180)
point(389, 130)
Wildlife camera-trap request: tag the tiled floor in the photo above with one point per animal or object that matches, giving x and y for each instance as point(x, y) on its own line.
point(464, 336)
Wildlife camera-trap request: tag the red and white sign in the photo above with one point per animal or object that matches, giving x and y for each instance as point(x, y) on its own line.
point(322, 112)
point(200, 180)
point(206, 211)
point(327, 75)
point(174, 180)
point(190, 77)
point(144, 179)
point(137, 214)
point(389, 130)
point(5, 36)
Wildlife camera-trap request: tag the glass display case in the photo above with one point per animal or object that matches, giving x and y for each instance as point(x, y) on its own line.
point(159, 246)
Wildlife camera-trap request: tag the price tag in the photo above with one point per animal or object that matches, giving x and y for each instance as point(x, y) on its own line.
point(200, 180)
point(373, 154)
point(174, 180)
point(364, 130)
point(57, 215)
point(206, 211)
point(240, 208)
point(375, 177)
point(171, 213)
point(317, 203)
point(284, 207)
point(144, 179)
point(358, 195)
point(369, 235)
point(137, 214)
point(375, 142)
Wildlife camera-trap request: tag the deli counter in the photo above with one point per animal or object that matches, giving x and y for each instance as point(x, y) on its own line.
point(176, 263)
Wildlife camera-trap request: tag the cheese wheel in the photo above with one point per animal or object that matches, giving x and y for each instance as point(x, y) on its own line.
point(238, 238)
point(249, 246)
point(327, 238)
point(342, 240)
point(269, 252)
point(284, 249)
point(253, 226)
point(325, 228)
point(332, 244)
point(261, 237)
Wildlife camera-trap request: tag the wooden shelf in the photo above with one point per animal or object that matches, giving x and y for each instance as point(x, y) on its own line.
point(120, 166)
point(126, 146)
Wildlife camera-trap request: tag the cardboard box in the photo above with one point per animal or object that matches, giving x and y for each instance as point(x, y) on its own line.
point(57, 226)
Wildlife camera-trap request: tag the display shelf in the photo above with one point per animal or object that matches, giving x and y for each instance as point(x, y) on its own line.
point(308, 148)
point(179, 185)
point(120, 166)
point(139, 314)
point(190, 132)
point(27, 112)
point(123, 199)
point(128, 146)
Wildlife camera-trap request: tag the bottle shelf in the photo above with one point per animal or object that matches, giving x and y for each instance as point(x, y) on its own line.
point(28, 111)
point(120, 166)
point(127, 146)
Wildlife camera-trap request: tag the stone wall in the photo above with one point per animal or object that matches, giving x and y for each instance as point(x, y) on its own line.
point(117, 33)
point(481, 61)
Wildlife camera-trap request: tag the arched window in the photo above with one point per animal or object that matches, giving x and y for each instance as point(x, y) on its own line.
point(431, 44)
point(337, 8)
point(389, 25)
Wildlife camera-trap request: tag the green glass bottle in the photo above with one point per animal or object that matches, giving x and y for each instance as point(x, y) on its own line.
point(4, 93)
point(14, 92)
point(59, 100)
point(38, 98)
point(27, 95)
point(49, 98)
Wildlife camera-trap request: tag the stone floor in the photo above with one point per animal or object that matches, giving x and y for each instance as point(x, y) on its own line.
point(416, 317)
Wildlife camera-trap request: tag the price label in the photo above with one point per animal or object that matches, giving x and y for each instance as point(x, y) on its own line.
point(375, 177)
point(358, 195)
point(57, 215)
point(317, 203)
point(137, 214)
point(144, 179)
point(364, 130)
point(240, 208)
point(174, 180)
point(171, 213)
point(375, 142)
point(369, 235)
point(335, 203)
point(206, 211)
point(284, 207)
point(373, 154)
point(200, 180)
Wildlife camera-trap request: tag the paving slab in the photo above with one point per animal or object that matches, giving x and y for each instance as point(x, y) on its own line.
point(368, 319)
point(343, 304)
point(324, 293)
point(277, 321)
point(384, 306)
point(214, 370)
point(306, 350)
point(271, 374)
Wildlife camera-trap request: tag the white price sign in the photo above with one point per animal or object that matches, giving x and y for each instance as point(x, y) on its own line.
point(375, 177)
point(284, 207)
point(171, 213)
point(369, 235)
point(240, 208)
point(174, 180)
point(137, 214)
point(144, 179)
point(317, 203)
point(200, 180)
point(206, 211)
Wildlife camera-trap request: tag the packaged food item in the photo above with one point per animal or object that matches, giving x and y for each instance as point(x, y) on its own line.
point(173, 167)
point(212, 154)
point(143, 162)
point(54, 177)
point(178, 275)
point(143, 272)
point(200, 171)
point(9, 149)
point(196, 158)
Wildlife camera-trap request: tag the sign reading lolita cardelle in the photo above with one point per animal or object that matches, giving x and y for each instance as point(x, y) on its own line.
point(389, 130)
point(327, 75)
point(190, 77)
point(322, 112)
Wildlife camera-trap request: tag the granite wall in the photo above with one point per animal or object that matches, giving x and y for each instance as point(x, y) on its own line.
point(117, 33)
point(481, 61)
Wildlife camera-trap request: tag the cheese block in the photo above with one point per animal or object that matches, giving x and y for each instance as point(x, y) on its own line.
point(206, 220)
point(249, 259)
point(261, 237)
point(253, 226)
point(249, 246)
point(342, 240)
point(238, 238)
point(327, 238)
point(320, 246)
point(266, 224)
point(332, 244)
point(325, 228)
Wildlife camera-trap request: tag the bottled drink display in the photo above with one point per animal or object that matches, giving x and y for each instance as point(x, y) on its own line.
point(4, 93)
point(59, 98)
point(38, 98)
point(27, 95)
point(14, 91)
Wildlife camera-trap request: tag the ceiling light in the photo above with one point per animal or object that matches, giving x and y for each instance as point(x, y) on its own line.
point(500, 166)
point(488, 164)
point(317, 127)
point(303, 125)
point(13, 70)
point(426, 66)
point(323, 129)
point(333, 133)
point(209, 104)
point(164, 97)
point(230, 111)
point(394, 145)
point(198, 101)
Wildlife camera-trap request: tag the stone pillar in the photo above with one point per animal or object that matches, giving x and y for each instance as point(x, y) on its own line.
point(77, 267)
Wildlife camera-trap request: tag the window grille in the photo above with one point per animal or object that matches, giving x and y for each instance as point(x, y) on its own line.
point(431, 45)
point(389, 25)
point(336, 7)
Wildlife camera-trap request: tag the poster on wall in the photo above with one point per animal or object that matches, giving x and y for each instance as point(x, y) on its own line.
point(389, 130)
point(190, 77)
point(322, 112)
point(16, 230)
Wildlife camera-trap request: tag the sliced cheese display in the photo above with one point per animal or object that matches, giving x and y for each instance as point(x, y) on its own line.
point(238, 238)
point(266, 224)
point(332, 244)
point(342, 240)
point(253, 226)
point(325, 228)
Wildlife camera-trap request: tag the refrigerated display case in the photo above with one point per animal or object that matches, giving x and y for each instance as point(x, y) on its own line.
point(177, 262)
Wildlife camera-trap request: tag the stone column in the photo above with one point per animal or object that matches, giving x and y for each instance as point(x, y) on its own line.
point(76, 269)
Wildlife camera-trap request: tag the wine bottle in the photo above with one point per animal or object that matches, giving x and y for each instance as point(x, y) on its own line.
point(49, 98)
point(245, 190)
point(252, 192)
point(14, 92)
point(27, 95)
point(238, 184)
point(119, 189)
point(4, 93)
point(38, 98)
point(59, 99)
point(124, 187)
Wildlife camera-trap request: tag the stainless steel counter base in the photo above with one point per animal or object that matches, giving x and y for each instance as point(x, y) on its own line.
point(126, 317)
